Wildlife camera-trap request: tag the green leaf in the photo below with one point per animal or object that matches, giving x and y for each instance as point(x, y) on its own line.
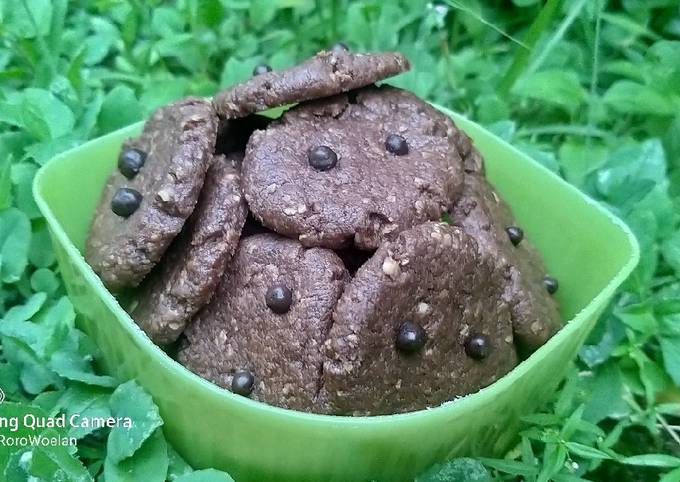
point(22, 175)
point(45, 116)
point(98, 45)
point(670, 348)
point(40, 252)
point(521, 58)
point(629, 97)
point(553, 460)
point(578, 160)
point(262, 12)
point(557, 87)
point(510, 466)
point(55, 463)
point(10, 410)
point(15, 236)
point(236, 70)
point(44, 280)
point(28, 309)
point(74, 367)
point(586, 451)
point(120, 108)
point(208, 475)
point(42, 152)
point(9, 380)
point(131, 400)
point(470, 470)
point(640, 318)
point(177, 466)
point(149, 463)
point(652, 460)
point(161, 92)
point(671, 251)
point(631, 172)
point(5, 183)
point(87, 402)
point(22, 22)
point(672, 476)
point(604, 393)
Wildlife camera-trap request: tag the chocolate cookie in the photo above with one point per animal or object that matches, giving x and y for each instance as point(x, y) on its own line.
point(186, 277)
point(353, 169)
point(487, 218)
point(262, 333)
point(423, 321)
point(153, 191)
point(325, 74)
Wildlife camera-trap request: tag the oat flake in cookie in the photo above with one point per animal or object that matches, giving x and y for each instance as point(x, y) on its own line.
point(325, 74)
point(269, 318)
point(423, 321)
point(175, 149)
point(185, 278)
point(326, 174)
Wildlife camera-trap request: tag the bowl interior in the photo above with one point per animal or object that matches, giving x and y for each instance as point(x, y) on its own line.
point(590, 251)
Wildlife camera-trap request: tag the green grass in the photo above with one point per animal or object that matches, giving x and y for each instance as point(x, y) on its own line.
point(591, 89)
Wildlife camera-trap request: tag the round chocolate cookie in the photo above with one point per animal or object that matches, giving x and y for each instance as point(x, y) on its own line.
point(488, 219)
point(147, 199)
point(269, 317)
point(327, 73)
point(423, 321)
point(340, 171)
point(186, 277)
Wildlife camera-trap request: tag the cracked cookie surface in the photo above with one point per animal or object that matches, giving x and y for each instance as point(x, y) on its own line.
point(154, 189)
point(485, 216)
point(327, 73)
point(186, 277)
point(269, 317)
point(353, 169)
point(422, 321)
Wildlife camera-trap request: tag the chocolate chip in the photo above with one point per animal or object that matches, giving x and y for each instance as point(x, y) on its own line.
point(242, 383)
point(410, 337)
point(125, 201)
point(515, 234)
point(551, 284)
point(340, 47)
point(130, 161)
point(477, 347)
point(261, 69)
point(322, 158)
point(279, 298)
point(396, 144)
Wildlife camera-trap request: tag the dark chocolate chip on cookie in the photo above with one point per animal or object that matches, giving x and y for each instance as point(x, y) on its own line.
point(151, 192)
point(434, 288)
point(239, 330)
point(327, 73)
point(487, 218)
point(325, 173)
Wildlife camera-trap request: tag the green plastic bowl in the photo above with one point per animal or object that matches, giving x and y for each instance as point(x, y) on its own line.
point(590, 251)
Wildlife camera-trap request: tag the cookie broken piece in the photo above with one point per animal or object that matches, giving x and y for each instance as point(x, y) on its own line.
point(356, 171)
point(423, 321)
point(186, 277)
point(154, 189)
point(269, 317)
point(487, 218)
point(327, 73)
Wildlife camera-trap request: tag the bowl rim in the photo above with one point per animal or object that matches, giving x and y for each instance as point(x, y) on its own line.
point(458, 404)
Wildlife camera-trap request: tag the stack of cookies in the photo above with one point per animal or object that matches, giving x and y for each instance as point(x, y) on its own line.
point(347, 258)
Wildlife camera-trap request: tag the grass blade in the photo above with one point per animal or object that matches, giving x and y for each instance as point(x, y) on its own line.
point(557, 36)
point(479, 18)
point(519, 62)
